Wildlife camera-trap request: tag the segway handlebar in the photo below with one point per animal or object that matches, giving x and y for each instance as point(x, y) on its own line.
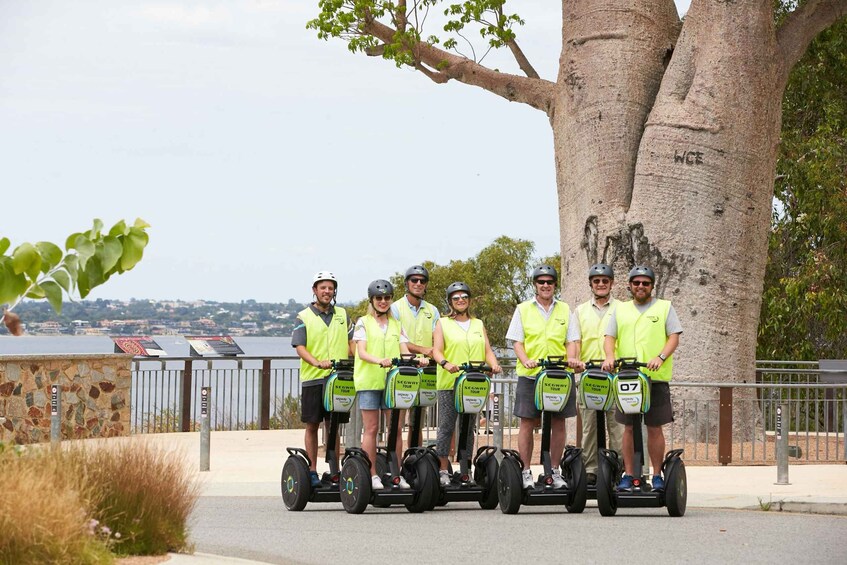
point(406, 360)
point(342, 364)
point(594, 364)
point(554, 362)
point(475, 367)
point(628, 363)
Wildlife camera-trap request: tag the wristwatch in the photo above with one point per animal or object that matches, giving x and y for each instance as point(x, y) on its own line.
point(443, 363)
point(663, 357)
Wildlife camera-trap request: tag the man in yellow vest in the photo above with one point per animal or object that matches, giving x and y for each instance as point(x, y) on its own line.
point(417, 317)
point(648, 329)
point(593, 316)
point(323, 334)
point(539, 328)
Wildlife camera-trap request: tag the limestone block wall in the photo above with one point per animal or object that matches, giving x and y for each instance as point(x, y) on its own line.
point(95, 397)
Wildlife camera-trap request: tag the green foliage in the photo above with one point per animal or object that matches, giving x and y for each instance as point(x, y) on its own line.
point(44, 271)
point(805, 300)
point(351, 21)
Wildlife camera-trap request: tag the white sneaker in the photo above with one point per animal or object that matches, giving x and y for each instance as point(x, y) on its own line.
point(444, 478)
point(376, 483)
point(527, 478)
point(558, 480)
point(403, 484)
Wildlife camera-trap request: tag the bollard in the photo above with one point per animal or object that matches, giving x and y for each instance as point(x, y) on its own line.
point(55, 416)
point(497, 422)
point(205, 427)
point(781, 446)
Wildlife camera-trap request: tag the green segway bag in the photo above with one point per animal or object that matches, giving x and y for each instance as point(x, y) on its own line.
point(632, 390)
point(596, 390)
point(428, 395)
point(401, 387)
point(471, 392)
point(552, 390)
point(339, 392)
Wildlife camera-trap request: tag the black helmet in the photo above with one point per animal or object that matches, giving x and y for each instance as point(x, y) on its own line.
point(380, 287)
point(545, 270)
point(601, 269)
point(418, 270)
point(642, 271)
point(456, 287)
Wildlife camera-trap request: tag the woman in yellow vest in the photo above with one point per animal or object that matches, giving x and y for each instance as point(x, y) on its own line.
point(379, 339)
point(458, 338)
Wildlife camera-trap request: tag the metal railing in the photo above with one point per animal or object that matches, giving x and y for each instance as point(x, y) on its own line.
point(716, 423)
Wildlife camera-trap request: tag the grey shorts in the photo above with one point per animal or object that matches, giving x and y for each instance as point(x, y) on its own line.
point(661, 409)
point(371, 400)
point(525, 401)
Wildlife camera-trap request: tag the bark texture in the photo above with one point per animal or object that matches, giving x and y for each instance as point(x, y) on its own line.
point(681, 174)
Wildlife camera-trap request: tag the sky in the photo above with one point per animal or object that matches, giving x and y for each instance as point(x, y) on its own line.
point(258, 153)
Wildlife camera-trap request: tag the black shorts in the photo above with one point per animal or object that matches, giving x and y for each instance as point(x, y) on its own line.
point(312, 406)
point(525, 401)
point(661, 408)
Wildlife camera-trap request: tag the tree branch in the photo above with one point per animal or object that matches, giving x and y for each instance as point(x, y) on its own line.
point(535, 92)
point(802, 25)
point(523, 62)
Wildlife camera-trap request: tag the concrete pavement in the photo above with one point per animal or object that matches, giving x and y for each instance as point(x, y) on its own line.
point(248, 463)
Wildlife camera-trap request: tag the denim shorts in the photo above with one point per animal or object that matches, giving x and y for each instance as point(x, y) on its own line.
point(371, 400)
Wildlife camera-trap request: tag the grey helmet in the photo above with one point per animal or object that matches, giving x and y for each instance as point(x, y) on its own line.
point(456, 287)
point(545, 270)
point(380, 287)
point(418, 270)
point(601, 269)
point(642, 271)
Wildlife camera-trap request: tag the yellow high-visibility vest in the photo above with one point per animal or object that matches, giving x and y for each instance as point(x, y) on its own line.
point(643, 335)
point(543, 337)
point(460, 346)
point(370, 376)
point(324, 341)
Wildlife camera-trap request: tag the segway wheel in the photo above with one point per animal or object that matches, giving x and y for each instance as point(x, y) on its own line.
point(487, 478)
point(355, 487)
point(606, 501)
point(425, 484)
point(510, 489)
point(295, 483)
point(676, 489)
point(434, 465)
point(382, 468)
point(577, 480)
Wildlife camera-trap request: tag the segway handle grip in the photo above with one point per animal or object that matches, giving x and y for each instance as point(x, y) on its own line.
point(478, 366)
point(406, 360)
point(342, 364)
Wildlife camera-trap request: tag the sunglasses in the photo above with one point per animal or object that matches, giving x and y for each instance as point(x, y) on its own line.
point(382, 298)
point(641, 283)
point(414, 280)
point(599, 281)
point(457, 297)
point(548, 282)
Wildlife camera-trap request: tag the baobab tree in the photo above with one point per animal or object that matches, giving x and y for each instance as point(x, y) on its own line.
point(665, 134)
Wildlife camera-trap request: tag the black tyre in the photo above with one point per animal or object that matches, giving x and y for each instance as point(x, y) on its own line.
point(486, 476)
point(510, 491)
point(295, 483)
point(607, 502)
point(676, 488)
point(434, 465)
point(425, 484)
point(355, 487)
point(574, 474)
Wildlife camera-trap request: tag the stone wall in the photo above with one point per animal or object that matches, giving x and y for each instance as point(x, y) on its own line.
point(95, 399)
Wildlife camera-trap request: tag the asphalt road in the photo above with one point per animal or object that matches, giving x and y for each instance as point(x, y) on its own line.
point(260, 528)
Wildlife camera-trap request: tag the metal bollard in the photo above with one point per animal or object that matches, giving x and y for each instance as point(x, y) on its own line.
point(205, 427)
point(55, 416)
point(781, 446)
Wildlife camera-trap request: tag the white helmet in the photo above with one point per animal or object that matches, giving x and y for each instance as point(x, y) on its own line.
point(324, 276)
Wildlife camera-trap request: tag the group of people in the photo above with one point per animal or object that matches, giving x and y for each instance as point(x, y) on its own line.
point(601, 328)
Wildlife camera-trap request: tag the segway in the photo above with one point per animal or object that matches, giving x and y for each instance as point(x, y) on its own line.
point(296, 484)
point(471, 394)
point(597, 393)
point(553, 387)
point(401, 391)
point(632, 390)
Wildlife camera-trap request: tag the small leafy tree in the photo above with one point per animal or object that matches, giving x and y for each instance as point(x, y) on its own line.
point(43, 271)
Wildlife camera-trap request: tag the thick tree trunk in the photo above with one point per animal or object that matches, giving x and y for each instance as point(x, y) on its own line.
point(673, 167)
